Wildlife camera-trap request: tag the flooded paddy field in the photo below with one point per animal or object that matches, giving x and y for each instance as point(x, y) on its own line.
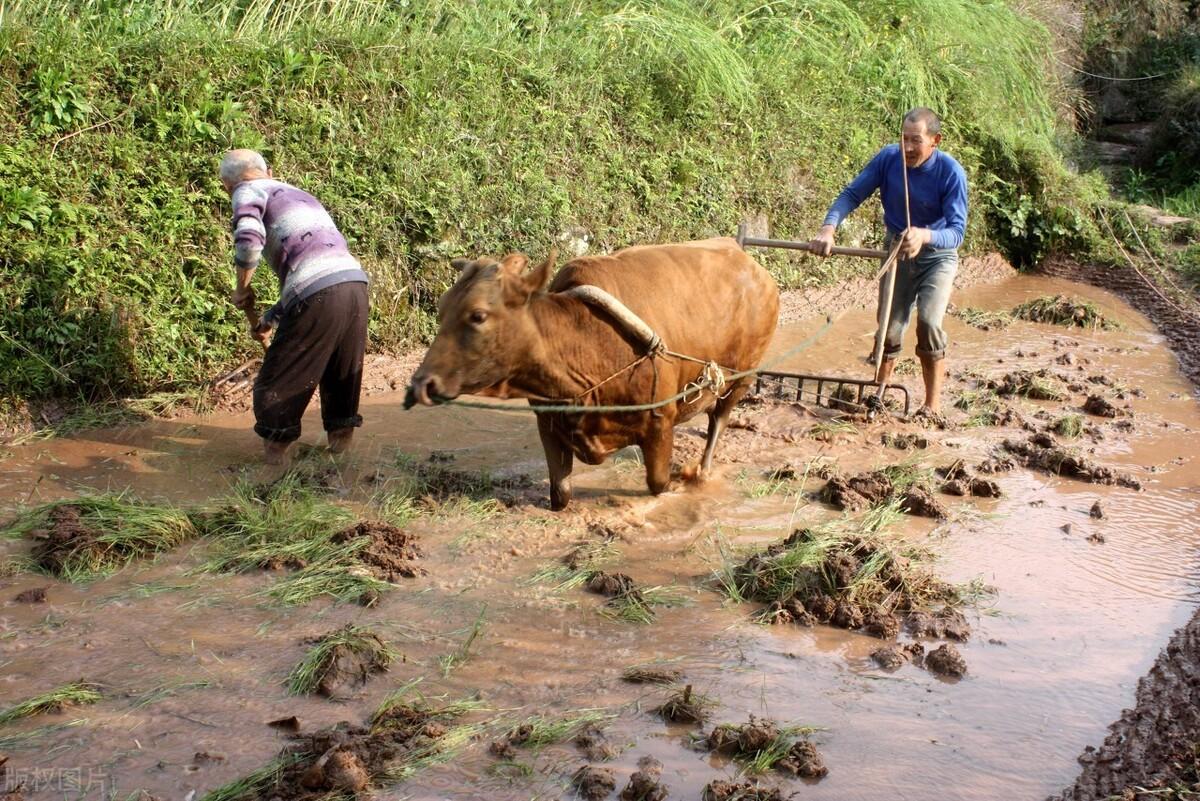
point(507, 635)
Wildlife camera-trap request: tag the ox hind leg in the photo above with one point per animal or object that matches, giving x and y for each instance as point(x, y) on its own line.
point(718, 416)
point(559, 462)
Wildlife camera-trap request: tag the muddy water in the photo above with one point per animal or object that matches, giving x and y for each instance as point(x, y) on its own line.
point(1055, 656)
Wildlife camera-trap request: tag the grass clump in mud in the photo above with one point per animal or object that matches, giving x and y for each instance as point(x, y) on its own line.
point(94, 536)
point(761, 745)
point(1061, 310)
point(460, 655)
point(651, 673)
point(1032, 384)
point(349, 761)
point(843, 573)
point(538, 731)
point(1069, 426)
point(69, 695)
point(286, 526)
point(348, 656)
point(722, 790)
point(437, 487)
point(686, 706)
point(626, 600)
point(982, 319)
point(905, 486)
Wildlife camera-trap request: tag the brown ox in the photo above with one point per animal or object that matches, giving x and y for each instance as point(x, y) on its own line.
point(502, 334)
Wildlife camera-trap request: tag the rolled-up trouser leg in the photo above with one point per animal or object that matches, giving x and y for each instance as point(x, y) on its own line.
point(300, 351)
point(923, 283)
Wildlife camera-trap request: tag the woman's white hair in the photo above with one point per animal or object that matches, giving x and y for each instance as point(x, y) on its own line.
point(238, 163)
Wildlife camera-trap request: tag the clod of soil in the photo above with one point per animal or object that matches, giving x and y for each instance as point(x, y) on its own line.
point(844, 399)
point(1036, 385)
point(611, 584)
point(1062, 310)
point(960, 482)
point(644, 783)
point(876, 488)
point(748, 740)
point(345, 759)
point(592, 783)
point(1040, 452)
point(719, 790)
point(389, 551)
point(946, 661)
point(1100, 406)
point(882, 624)
point(288, 724)
point(35, 595)
point(344, 665)
point(996, 464)
point(685, 706)
point(890, 657)
point(1096, 538)
point(1097, 511)
point(918, 501)
point(63, 539)
point(1153, 746)
point(946, 624)
point(904, 442)
point(651, 675)
point(594, 744)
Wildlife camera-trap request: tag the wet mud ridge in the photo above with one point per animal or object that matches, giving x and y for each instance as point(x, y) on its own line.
point(1153, 751)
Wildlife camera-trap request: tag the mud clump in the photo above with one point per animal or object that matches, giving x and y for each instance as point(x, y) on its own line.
point(846, 581)
point(594, 744)
point(996, 464)
point(876, 488)
point(948, 624)
point(594, 784)
point(946, 661)
point(791, 752)
point(644, 784)
point(891, 657)
point(346, 759)
point(904, 442)
point(1097, 511)
point(389, 551)
point(685, 706)
point(1062, 310)
point(720, 790)
point(1040, 452)
point(918, 501)
point(34, 595)
point(611, 585)
point(347, 659)
point(844, 399)
point(960, 482)
point(1033, 384)
point(64, 539)
point(643, 674)
point(1100, 406)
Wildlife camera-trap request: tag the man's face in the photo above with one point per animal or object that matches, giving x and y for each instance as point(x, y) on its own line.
point(918, 143)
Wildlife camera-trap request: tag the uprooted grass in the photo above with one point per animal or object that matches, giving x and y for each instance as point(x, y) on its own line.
point(842, 571)
point(56, 700)
point(638, 604)
point(686, 706)
point(981, 405)
point(1061, 310)
point(92, 536)
point(538, 731)
point(984, 320)
point(457, 658)
point(349, 655)
point(577, 566)
point(32, 738)
point(1069, 426)
point(287, 526)
point(1032, 384)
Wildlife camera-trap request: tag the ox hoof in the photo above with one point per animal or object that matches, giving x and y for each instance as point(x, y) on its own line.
point(692, 474)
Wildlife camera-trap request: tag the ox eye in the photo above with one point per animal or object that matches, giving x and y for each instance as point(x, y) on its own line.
point(478, 316)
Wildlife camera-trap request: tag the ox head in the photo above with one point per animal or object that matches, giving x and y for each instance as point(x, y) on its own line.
point(485, 328)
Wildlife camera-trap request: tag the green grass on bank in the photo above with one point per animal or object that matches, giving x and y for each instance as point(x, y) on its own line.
point(434, 128)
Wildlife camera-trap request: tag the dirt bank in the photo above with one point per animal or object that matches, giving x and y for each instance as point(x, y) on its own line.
point(1153, 751)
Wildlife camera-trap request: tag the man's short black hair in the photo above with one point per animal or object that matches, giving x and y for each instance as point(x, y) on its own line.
point(933, 125)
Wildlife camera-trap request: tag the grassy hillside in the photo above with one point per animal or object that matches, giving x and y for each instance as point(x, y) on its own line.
point(436, 128)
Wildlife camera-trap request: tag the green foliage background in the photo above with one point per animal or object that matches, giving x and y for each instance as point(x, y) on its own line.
point(433, 128)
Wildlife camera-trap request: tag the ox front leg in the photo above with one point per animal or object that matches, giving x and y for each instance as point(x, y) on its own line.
point(717, 418)
point(559, 462)
point(657, 446)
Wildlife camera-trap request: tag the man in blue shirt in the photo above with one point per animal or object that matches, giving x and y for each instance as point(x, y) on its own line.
point(928, 258)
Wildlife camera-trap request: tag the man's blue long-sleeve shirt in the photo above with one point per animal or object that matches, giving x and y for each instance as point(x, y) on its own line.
point(937, 193)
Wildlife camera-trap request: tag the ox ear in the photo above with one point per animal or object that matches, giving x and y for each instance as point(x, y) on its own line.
point(514, 264)
point(461, 264)
point(537, 279)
